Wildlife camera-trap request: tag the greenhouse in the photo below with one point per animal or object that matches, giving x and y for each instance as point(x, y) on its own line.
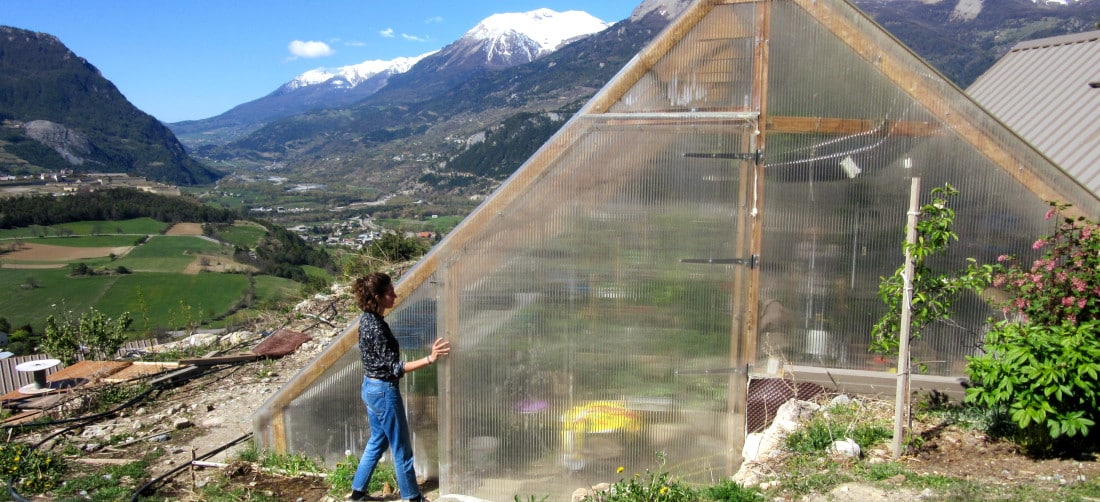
point(723, 209)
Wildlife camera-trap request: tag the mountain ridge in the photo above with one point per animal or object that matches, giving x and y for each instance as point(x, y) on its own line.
point(58, 112)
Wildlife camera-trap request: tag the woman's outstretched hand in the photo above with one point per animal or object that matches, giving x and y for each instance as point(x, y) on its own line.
point(440, 347)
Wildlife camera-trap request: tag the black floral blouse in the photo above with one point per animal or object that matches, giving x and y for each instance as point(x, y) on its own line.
point(378, 349)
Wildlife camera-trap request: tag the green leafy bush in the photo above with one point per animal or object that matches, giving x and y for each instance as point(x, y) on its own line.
point(1047, 377)
point(94, 334)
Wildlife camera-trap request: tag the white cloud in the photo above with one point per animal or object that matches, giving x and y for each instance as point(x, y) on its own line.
point(434, 20)
point(310, 49)
point(388, 33)
point(414, 38)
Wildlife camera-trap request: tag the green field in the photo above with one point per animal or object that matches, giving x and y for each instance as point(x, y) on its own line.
point(169, 253)
point(157, 293)
point(440, 225)
point(243, 235)
point(180, 300)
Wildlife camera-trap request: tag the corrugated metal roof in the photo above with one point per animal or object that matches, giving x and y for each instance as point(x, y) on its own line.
point(1048, 92)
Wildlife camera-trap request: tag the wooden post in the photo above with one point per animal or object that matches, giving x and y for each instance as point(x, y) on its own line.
point(902, 397)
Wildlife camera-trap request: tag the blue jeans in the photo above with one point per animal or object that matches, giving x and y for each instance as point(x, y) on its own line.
point(388, 427)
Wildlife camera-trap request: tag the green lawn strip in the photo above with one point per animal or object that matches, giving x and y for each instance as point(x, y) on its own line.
point(312, 271)
point(178, 300)
point(442, 224)
point(134, 226)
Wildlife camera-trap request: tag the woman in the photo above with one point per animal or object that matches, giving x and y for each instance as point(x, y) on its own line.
point(383, 368)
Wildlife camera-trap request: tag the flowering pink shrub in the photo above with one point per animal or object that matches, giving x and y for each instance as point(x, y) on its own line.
point(1061, 286)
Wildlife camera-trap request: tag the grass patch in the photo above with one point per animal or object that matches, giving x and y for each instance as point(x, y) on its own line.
point(174, 300)
point(169, 253)
point(836, 423)
point(52, 291)
point(242, 235)
point(113, 482)
point(440, 225)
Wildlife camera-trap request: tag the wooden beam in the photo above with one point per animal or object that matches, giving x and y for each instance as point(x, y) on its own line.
point(843, 127)
point(212, 361)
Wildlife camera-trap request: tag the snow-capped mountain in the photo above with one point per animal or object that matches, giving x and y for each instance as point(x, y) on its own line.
point(499, 41)
point(504, 40)
point(353, 75)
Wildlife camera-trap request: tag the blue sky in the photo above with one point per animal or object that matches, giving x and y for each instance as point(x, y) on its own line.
point(193, 59)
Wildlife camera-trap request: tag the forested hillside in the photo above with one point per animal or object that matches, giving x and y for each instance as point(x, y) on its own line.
point(108, 205)
point(58, 112)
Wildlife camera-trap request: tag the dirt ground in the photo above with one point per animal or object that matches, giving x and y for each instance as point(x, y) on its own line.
point(215, 263)
point(45, 252)
point(184, 229)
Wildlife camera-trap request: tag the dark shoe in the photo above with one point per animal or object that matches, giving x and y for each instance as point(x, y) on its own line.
point(421, 498)
point(356, 495)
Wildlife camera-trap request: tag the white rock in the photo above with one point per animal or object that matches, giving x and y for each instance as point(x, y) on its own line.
point(847, 447)
point(840, 400)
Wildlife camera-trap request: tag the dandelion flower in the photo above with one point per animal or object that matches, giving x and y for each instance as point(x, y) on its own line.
point(619, 470)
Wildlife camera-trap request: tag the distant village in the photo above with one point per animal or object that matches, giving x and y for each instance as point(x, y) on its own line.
point(355, 233)
point(66, 182)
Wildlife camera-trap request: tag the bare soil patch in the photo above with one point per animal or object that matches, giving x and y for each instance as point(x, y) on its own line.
point(32, 265)
point(47, 252)
point(216, 263)
point(184, 229)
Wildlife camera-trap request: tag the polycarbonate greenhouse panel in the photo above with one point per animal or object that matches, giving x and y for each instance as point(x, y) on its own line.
point(844, 139)
point(594, 330)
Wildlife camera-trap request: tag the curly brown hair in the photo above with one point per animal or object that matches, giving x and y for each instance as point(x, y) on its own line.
point(370, 289)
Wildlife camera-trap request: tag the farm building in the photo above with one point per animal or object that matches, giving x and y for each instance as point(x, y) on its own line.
point(720, 213)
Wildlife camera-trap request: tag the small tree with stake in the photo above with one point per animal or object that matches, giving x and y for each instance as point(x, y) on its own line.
point(931, 294)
